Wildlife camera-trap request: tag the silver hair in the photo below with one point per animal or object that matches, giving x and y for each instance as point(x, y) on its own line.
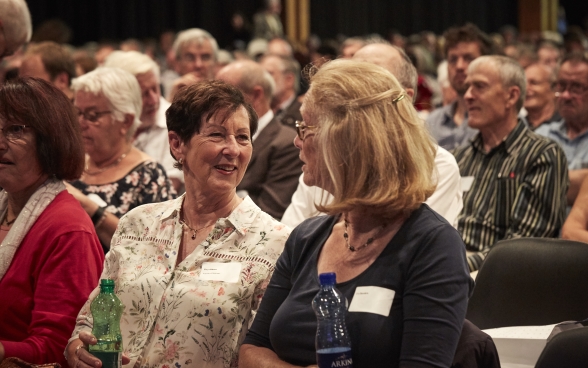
point(133, 62)
point(16, 20)
point(194, 35)
point(509, 71)
point(120, 88)
point(290, 65)
point(257, 76)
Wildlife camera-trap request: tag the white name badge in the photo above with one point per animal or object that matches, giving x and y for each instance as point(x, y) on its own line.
point(227, 272)
point(372, 299)
point(466, 183)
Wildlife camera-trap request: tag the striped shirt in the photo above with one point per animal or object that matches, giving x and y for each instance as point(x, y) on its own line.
point(519, 190)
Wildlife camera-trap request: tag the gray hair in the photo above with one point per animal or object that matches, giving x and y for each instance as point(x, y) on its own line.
point(290, 65)
point(120, 88)
point(133, 62)
point(509, 71)
point(16, 21)
point(255, 75)
point(194, 35)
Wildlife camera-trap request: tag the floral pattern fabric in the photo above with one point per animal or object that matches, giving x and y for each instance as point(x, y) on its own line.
point(146, 183)
point(173, 317)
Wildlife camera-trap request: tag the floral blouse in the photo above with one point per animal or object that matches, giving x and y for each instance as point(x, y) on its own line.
point(195, 314)
point(146, 183)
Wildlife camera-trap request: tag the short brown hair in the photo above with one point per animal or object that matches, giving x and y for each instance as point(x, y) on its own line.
point(467, 33)
point(375, 152)
point(40, 105)
point(203, 101)
point(56, 59)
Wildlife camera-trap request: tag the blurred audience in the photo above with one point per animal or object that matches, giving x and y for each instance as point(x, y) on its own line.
point(51, 62)
point(15, 22)
point(267, 23)
point(286, 74)
point(572, 132)
point(540, 97)
point(272, 175)
point(449, 124)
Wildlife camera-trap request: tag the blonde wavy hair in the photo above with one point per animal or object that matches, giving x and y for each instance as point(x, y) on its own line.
point(374, 151)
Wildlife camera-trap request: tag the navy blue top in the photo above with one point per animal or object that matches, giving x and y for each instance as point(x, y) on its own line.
point(424, 264)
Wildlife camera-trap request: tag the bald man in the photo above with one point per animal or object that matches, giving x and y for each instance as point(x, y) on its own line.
point(272, 174)
point(447, 199)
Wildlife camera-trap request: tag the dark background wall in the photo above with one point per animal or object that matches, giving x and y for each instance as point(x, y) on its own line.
point(93, 20)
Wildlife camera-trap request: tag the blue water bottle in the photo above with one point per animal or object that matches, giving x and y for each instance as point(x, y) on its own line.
point(333, 346)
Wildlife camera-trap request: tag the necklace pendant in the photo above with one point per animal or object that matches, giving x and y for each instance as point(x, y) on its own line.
point(352, 248)
point(194, 236)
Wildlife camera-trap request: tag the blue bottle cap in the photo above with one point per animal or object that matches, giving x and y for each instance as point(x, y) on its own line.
point(328, 278)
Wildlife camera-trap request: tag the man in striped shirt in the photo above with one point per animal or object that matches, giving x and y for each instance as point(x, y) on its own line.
point(518, 179)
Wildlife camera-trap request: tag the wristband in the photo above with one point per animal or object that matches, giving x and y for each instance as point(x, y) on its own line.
point(97, 216)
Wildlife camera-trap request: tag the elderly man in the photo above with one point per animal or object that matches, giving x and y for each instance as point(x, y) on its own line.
point(572, 132)
point(151, 136)
point(15, 25)
point(51, 62)
point(272, 175)
point(446, 200)
point(448, 124)
point(196, 57)
point(514, 180)
point(285, 72)
point(540, 98)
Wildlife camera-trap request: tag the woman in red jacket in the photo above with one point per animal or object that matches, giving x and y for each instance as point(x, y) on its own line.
point(50, 256)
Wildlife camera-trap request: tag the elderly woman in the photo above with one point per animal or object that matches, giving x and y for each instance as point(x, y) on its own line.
point(45, 236)
point(191, 272)
point(117, 176)
point(400, 265)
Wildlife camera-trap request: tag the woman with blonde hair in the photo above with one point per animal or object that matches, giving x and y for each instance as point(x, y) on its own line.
point(361, 141)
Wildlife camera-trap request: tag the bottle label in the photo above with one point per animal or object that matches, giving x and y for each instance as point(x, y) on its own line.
point(109, 359)
point(334, 357)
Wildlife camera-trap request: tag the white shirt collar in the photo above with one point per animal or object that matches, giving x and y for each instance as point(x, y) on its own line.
point(262, 122)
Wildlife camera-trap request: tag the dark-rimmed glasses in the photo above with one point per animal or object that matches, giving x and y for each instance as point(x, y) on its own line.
point(301, 128)
point(14, 132)
point(574, 88)
point(91, 116)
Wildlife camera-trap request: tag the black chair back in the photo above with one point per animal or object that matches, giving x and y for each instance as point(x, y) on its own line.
point(531, 281)
point(568, 349)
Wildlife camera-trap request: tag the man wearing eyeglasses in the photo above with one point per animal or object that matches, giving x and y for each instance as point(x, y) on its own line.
point(15, 26)
point(196, 58)
point(572, 131)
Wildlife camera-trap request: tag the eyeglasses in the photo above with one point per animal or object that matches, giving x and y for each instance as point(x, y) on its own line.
point(14, 132)
point(91, 116)
point(573, 87)
point(301, 129)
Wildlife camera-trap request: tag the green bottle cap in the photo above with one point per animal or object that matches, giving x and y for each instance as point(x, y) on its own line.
point(106, 282)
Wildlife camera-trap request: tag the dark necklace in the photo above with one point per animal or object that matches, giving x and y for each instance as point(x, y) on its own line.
point(6, 222)
point(368, 242)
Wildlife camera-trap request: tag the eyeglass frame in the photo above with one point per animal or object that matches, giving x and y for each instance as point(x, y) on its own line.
point(93, 121)
point(301, 127)
point(13, 125)
point(574, 88)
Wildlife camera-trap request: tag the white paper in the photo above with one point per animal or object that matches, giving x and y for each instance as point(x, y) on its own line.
point(372, 299)
point(520, 346)
point(466, 183)
point(96, 199)
point(216, 271)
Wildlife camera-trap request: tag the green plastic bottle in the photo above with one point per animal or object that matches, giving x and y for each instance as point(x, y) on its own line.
point(106, 311)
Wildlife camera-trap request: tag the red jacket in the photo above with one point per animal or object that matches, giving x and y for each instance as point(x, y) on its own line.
point(55, 268)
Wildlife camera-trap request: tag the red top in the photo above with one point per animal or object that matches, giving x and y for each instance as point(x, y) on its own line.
point(55, 268)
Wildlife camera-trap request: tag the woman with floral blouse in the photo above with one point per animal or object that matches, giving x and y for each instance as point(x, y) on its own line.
point(191, 272)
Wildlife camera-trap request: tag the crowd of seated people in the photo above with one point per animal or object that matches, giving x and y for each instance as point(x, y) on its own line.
point(117, 157)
